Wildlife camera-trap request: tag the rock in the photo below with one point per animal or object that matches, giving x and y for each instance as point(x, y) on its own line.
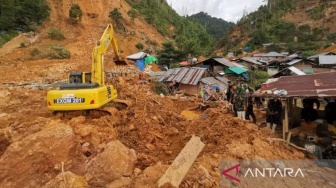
point(121, 81)
point(4, 141)
point(88, 150)
point(150, 147)
point(113, 163)
point(72, 181)
point(150, 176)
point(78, 120)
point(120, 183)
point(137, 171)
point(38, 157)
point(131, 127)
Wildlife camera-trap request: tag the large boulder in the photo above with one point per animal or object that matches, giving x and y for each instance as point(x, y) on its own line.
point(34, 160)
point(67, 179)
point(114, 162)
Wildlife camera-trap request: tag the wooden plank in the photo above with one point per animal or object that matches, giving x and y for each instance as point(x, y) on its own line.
point(289, 136)
point(180, 166)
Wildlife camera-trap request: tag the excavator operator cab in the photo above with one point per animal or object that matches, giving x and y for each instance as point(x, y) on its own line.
point(79, 80)
point(76, 77)
point(80, 77)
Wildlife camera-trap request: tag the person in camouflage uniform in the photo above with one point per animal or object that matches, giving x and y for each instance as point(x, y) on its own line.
point(239, 101)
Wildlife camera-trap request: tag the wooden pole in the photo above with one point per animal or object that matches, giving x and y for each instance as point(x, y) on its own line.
point(285, 120)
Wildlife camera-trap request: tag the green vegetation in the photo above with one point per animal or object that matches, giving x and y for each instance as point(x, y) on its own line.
point(22, 13)
point(7, 36)
point(257, 77)
point(23, 45)
point(133, 13)
point(169, 55)
point(267, 26)
point(160, 88)
point(318, 12)
point(55, 33)
point(216, 27)
point(58, 52)
point(116, 16)
point(75, 13)
point(36, 53)
point(139, 46)
point(52, 52)
point(190, 37)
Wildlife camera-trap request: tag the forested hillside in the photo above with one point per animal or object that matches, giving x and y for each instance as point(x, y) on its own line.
point(216, 27)
point(190, 37)
point(290, 25)
point(21, 15)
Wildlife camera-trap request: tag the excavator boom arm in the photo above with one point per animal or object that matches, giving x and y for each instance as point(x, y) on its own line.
point(99, 50)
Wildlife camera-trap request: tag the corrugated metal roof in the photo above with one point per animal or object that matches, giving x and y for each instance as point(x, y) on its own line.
point(220, 81)
point(313, 85)
point(273, 54)
point(238, 65)
point(296, 70)
point(292, 62)
point(327, 59)
point(293, 55)
point(258, 55)
point(251, 60)
point(317, 55)
point(224, 61)
point(186, 75)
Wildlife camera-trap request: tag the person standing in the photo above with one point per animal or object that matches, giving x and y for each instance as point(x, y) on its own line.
point(273, 114)
point(249, 110)
point(240, 101)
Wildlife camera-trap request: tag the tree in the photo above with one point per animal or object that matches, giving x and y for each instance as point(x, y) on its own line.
point(7, 15)
point(75, 13)
point(168, 54)
point(31, 13)
point(115, 15)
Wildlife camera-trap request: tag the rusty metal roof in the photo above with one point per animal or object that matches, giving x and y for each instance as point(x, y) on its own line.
point(314, 85)
point(186, 75)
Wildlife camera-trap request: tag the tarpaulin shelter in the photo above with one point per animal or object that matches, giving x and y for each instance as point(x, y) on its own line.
point(139, 55)
point(150, 59)
point(140, 63)
point(234, 70)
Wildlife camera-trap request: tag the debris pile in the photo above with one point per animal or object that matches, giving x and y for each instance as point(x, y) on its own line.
point(132, 148)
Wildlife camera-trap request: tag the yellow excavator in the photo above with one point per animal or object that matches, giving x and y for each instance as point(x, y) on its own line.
point(87, 91)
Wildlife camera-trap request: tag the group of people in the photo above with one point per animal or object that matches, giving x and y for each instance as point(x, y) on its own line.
point(240, 96)
point(316, 131)
point(242, 102)
point(318, 135)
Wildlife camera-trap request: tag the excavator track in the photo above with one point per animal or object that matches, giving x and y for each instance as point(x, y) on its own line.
point(106, 110)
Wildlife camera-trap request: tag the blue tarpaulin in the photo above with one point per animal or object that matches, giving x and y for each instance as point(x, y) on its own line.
point(140, 64)
point(246, 76)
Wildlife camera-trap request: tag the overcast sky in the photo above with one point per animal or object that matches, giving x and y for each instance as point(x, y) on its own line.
point(229, 10)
